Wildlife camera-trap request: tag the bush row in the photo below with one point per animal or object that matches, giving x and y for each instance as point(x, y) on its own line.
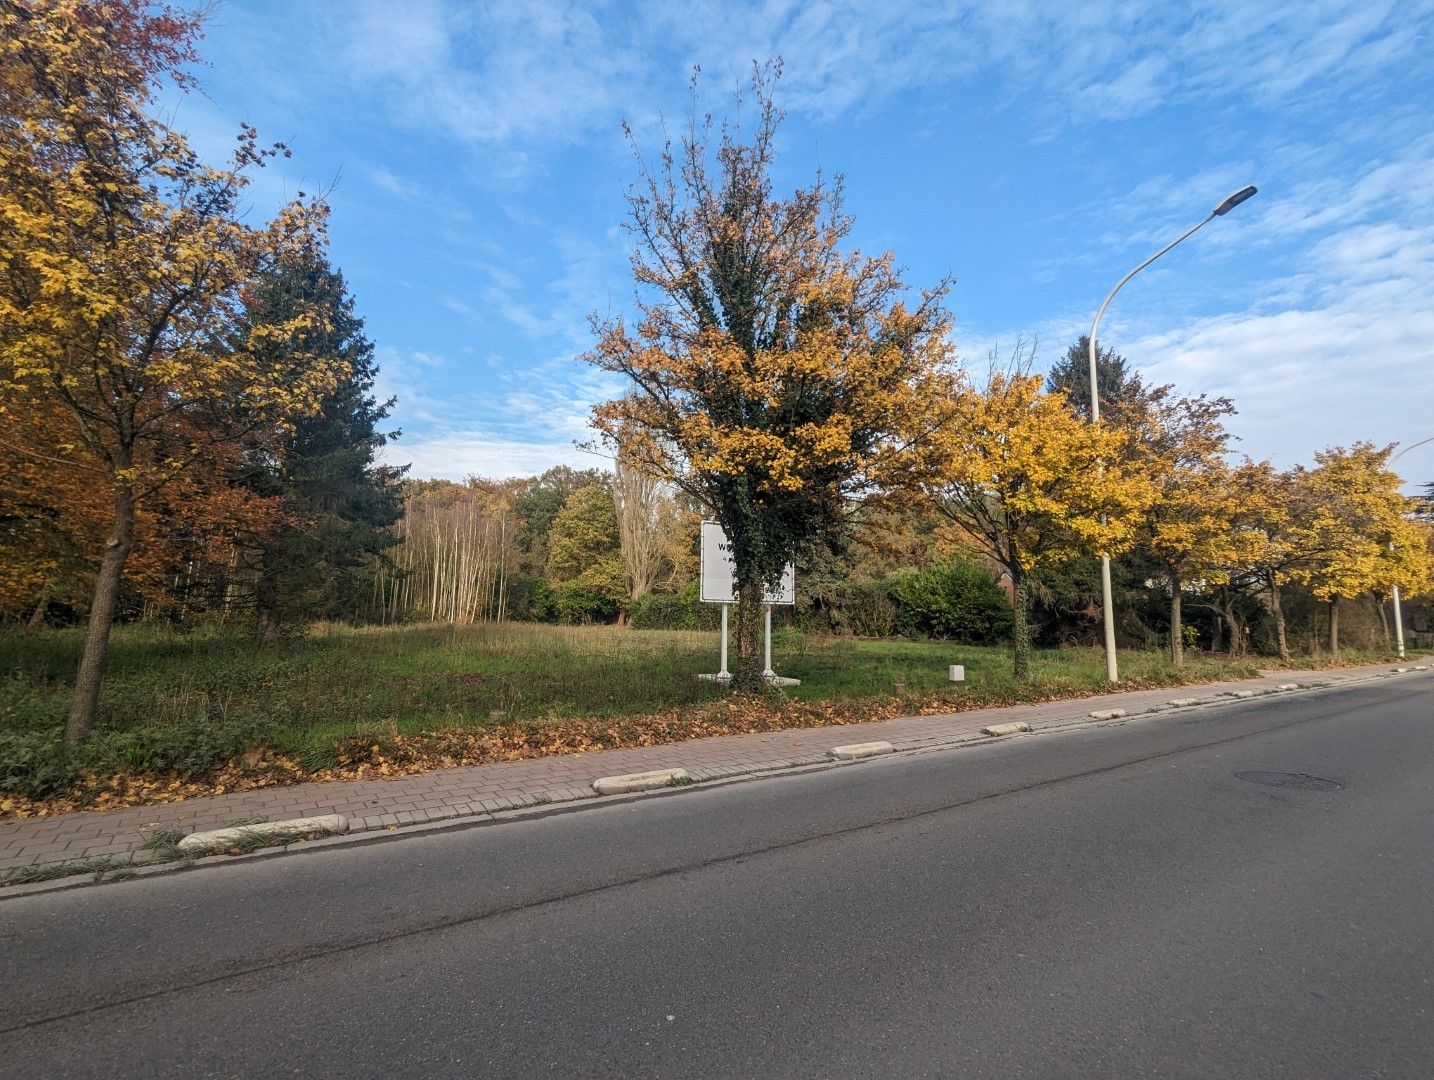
point(957, 601)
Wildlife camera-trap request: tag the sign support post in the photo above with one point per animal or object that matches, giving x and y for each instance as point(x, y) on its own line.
point(717, 586)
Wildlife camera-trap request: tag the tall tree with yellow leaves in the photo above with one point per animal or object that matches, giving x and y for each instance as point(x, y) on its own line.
point(1353, 513)
point(1033, 484)
point(124, 258)
point(771, 376)
point(1273, 506)
point(1189, 528)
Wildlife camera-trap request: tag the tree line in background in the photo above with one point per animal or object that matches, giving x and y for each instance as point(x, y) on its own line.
point(190, 429)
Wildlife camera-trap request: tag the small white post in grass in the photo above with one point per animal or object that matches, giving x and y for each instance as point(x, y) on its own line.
point(957, 673)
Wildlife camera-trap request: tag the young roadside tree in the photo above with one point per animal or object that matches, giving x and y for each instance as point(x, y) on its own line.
point(772, 376)
point(125, 257)
point(340, 503)
point(1033, 484)
point(52, 521)
point(1188, 528)
point(1353, 513)
point(1273, 506)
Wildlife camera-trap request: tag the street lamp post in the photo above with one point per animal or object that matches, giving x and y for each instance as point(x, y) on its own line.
point(1394, 590)
point(1112, 672)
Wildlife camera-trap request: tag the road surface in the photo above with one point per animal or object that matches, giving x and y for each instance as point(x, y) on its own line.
point(1110, 901)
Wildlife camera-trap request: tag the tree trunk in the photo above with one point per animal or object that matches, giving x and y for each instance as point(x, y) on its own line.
point(1177, 631)
point(1281, 642)
point(1383, 620)
point(1234, 629)
point(1217, 636)
point(1021, 630)
point(37, 617)
point(747, 670)
point(102, 615)
point(1334, 625)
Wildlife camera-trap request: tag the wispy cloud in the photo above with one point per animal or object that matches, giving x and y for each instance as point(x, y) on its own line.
point(547, 71)
point(1350, 363)
point(395, 185)
point(459, 455)
point(492, 72)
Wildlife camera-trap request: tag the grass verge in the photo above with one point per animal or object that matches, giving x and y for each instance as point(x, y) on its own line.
point(207, 712)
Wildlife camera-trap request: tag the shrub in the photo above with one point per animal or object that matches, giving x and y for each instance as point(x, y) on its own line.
point(40, 765)
point(530, 599)
point(576, 602)
point(958, 600)
point(860, 606)
point(669, 611)
point(36, 765)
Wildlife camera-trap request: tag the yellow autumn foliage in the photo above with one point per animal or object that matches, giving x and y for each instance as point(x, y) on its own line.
point(125, 261)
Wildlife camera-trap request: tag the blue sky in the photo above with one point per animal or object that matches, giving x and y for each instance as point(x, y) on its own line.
point(1033, 151)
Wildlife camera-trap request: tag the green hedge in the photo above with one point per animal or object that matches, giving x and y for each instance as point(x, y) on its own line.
point(673, 611)
point(959, 600)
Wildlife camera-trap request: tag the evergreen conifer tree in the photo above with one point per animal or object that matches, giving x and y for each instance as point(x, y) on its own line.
point(339, 501)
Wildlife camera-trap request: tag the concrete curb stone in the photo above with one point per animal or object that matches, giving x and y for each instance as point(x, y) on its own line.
point(1006, 729)
point(856, 751)
point(643, 781)
point(220, 839)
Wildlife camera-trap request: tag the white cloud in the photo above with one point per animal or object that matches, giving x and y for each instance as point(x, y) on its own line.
point(489, 73)
point(395, 185)
point(1352, 364)
point(458, 455)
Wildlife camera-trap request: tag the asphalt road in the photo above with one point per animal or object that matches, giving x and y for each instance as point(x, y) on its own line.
point(1106, 902)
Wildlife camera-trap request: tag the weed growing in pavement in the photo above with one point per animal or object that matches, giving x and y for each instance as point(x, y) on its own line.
point(28, 875)
point(161, 847)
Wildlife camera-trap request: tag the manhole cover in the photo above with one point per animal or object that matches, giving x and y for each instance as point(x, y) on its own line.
point(1297, 780)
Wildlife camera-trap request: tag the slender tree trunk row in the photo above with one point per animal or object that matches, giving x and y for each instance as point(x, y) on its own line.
point(452, 563)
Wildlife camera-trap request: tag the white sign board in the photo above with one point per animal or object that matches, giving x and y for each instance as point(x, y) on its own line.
point(719, 572)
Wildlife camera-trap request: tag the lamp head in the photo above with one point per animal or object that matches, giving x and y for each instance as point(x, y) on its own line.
point(1233, 201)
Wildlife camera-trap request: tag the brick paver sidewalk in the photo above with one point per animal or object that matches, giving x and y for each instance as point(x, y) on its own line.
point(484, 790)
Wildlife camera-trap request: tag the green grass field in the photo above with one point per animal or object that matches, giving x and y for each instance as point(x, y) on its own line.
point(183, 702)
